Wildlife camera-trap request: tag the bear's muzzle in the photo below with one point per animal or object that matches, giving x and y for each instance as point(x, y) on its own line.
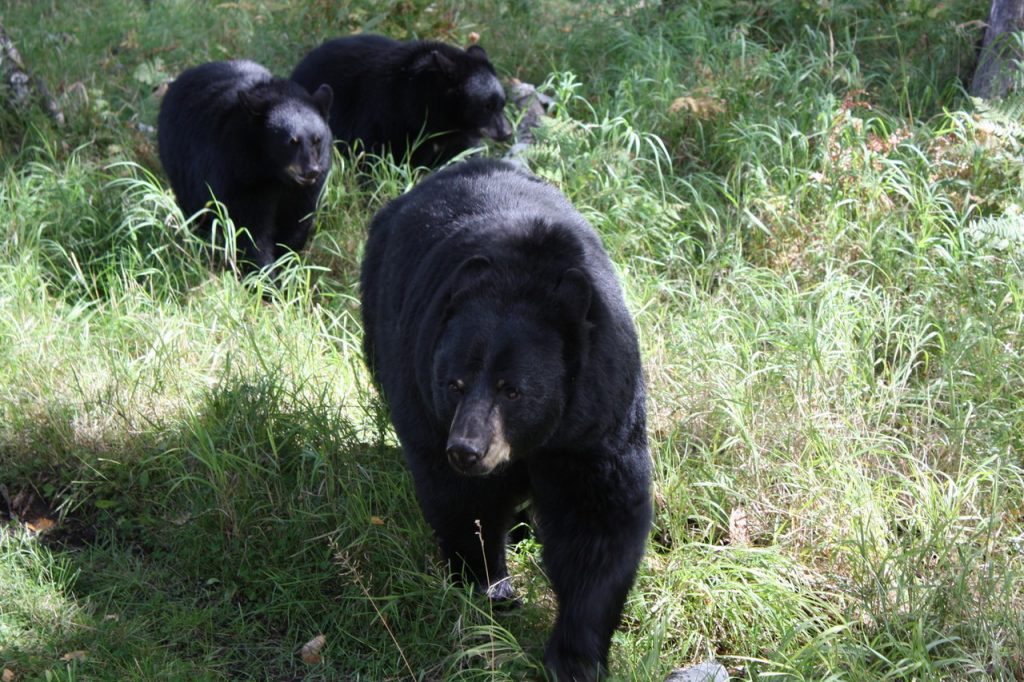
point(476, 441)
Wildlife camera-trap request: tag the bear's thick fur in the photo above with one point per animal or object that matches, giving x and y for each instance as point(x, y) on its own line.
point(392, 93)
point(260, 145)
point(496, 328)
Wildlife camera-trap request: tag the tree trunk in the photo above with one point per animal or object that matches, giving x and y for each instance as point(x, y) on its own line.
point(19, 85)
point(999, 60)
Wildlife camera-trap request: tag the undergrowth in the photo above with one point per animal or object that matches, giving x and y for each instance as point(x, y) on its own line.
point(819, 235)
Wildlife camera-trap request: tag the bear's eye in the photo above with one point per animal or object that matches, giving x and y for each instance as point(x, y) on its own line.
point(316, 139)
point(511, 393)
point(293, 141)
point(456, 386)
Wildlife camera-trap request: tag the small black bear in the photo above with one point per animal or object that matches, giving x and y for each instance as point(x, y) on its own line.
point(396, 92)
point(497, 331)
point(260, 145)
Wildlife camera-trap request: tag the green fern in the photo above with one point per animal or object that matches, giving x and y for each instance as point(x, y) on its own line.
point(1005, 117)
point(1005, 229)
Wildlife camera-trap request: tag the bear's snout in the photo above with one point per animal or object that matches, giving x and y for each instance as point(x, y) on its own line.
point(464, 454)
point(310, 175)
point(498, 128)
point(476, 441)
point(305, 175)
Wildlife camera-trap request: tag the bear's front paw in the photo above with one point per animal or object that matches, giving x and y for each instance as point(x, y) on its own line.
point(565, 665)
point(502, 596)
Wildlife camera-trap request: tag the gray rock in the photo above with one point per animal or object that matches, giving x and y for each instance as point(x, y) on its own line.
point(709, 671)
point(534, 104)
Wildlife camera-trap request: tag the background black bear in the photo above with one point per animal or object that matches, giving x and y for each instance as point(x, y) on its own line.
point(259, 144)
point(496, 328)
point(393, 93)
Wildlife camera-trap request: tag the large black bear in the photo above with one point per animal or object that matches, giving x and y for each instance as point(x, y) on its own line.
point(259, 144)
point(497, 331)
point(396, 92)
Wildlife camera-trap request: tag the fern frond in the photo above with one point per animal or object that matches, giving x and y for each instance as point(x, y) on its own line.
point(1004, 117)
point(1006, 228)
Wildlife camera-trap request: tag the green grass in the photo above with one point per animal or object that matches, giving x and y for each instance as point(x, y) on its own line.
point(818, 233)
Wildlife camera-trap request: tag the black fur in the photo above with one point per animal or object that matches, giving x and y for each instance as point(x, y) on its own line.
point(395, 92)
point(487, 296)
point(259, 144)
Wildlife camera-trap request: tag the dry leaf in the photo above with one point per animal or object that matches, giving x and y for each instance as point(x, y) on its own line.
point(310, 651)
point(701, 107)
point(7, 676)
point(73, 656)
point(376, 520)
point(474, 38)
point(40, 525)
point(131, 41)
point(77, 91)
point(739, 536)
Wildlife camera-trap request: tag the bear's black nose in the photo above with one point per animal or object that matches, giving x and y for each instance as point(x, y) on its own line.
point(504, 129)
point(463, 454)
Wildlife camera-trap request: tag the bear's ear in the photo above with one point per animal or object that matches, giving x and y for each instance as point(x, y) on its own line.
point(254, 104)
point(323, 98)
point(467, 275)
point(435, 61)
point(572, 295)
point(476, 51)
point(463, 282)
